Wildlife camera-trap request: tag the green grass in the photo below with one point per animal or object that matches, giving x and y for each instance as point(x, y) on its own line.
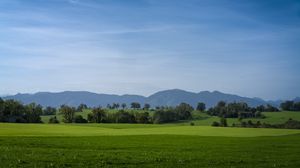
point(150, 151)
point(145, 145)
point(133, 129)
point(150, 145)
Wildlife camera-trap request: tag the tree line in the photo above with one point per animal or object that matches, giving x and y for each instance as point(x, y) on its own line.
point(101, 115)
point(290, 106)
point(290, 124)
point(13, 111)
point(239, 110)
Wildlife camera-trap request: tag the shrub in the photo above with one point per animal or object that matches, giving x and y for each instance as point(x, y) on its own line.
point(79, 119)
point(215, 124)
point(292, 124)
point(53, 120)
point(124, 117)
point(223, 122)
point(192, 124)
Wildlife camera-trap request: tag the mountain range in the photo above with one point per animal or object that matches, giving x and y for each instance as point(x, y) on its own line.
point(163, 98)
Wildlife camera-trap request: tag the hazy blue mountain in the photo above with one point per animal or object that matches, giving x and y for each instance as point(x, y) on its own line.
point(297, 99)
point(172, 98)
point(74, 98)
point(162, 98)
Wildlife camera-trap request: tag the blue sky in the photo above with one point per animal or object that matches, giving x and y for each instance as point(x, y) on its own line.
point(250, 48)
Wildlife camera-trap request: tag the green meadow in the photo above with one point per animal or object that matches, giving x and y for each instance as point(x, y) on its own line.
point(150, 145)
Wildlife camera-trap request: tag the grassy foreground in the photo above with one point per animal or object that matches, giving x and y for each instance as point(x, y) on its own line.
point(137, 145)
point(150, 151)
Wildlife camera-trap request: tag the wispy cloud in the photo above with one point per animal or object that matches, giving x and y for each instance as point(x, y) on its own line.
point(145, 46)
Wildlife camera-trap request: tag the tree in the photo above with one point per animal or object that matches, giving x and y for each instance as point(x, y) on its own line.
point(81, 107)
point(12, 111)
point(98, 115)
point(201, 106)
point(215, 124)
point(184, 111)
point(53, 120)
point(135, 105)
point(221, 104)
point(108, 106)
point(271, 108)
point(49, 111)
point(235, 110)
point(221, 108)
point(123, 106)
point(146, 106)
point(261, 108)
point(68, 113)
point(142, 117)
point(1, 109)
point(33, 112)
point(259, 114)
point(79, 119)
point(164, 116)
point(297, 106)
point(290, 106)
point(115, 106)
point(124, 117)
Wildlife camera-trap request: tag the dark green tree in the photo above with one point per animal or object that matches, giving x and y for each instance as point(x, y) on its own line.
point(124, 117)
point(81, 107)
point(53, 120)
point(98, 115)
point(223, 122)
point(184, 111)
point(68, 113)
point(115, 105)
point(146, 106)
point(123, 105)
point(80, 119)
point(135, 105)
point(164, 116)
point(201, 106)
point(33, 113)
point(142, 117)
point(49, 111)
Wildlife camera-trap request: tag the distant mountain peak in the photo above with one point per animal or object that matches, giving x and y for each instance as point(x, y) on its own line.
point(170, 97)
point(297, 99)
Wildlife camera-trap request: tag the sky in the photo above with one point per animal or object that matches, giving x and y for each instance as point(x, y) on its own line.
point(250, 48)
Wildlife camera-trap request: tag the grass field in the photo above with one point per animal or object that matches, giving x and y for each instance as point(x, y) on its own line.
point(150, 145)
point(133, 129)
point(150, 151)
point(140, 145)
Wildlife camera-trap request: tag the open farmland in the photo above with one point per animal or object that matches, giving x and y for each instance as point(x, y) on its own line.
point(136, 145)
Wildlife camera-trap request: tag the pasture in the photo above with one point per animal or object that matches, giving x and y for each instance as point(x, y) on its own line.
point(150, 145)
point(145, 145)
